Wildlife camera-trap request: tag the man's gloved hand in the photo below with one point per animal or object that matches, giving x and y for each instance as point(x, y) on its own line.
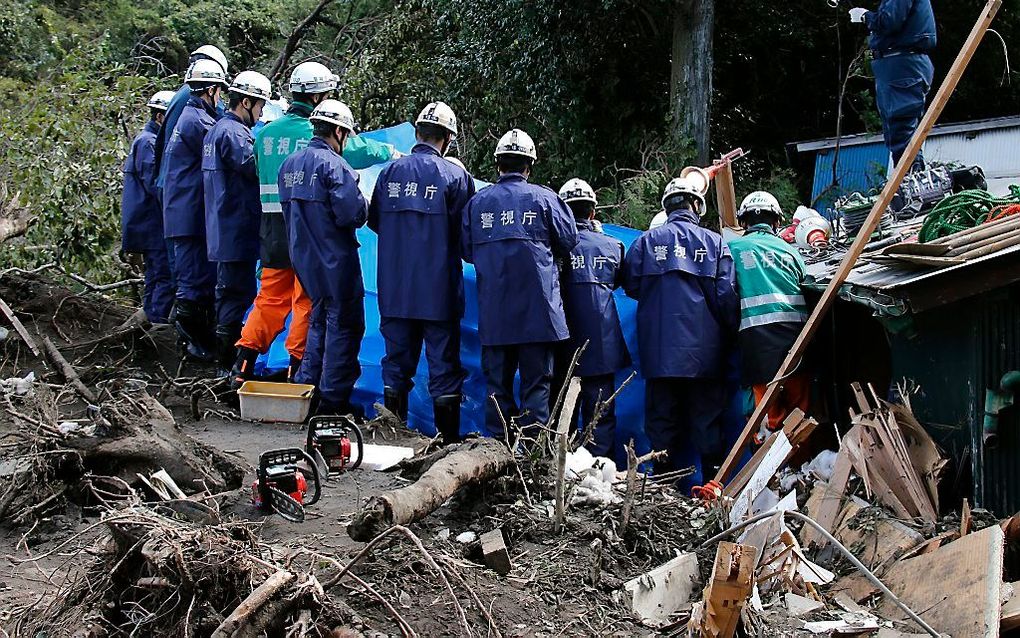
point(134, 260)
point(857, 15)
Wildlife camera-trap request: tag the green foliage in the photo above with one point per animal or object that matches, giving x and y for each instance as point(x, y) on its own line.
point(65, 156)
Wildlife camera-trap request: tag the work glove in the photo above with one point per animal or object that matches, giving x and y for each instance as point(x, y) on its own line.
point(857, 15)
point(134, 260)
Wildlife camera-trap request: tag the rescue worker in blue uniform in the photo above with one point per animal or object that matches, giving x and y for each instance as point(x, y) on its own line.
point(184, 210)
point(142, 215)
point(177, 104)
point(513, 233)
point(416, 210)
point(323, 209)
point(902, 34)
point(232, 208)
point(682, 278)
point(590, 276)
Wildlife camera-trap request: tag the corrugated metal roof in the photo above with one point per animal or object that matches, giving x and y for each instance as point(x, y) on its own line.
point(943, 129)
point(860, 168)
point(996, 151)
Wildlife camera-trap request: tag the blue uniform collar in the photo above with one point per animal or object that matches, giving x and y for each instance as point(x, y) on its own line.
point(199, 103)
point(318, 142)
point(302, 109)
point(230, 115)
point(152, 127)
point(427, 149)
point(683, 215)
point(512, 177)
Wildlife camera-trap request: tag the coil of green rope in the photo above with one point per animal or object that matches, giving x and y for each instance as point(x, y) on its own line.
point(963, 210)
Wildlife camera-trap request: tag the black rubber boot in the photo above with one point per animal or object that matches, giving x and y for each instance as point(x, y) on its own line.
point(396, 402)
point(226, 350)
point(192, 325)
point(243, 368)
point(447, 415)
point(292, 368)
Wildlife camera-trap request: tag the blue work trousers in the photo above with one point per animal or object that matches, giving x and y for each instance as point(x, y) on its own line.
point(335, 330)
point(902, 83)
point(500, 364)
point(684, 418)
point(196, 275)
point(404, 340)
point(236, 287)
point(158, 299)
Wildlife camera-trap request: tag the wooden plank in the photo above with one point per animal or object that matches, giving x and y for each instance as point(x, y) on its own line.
point(831, 501)
point(20, 327)
point(956, 589)
point(726, 195)
point(831, 292)
point(736, 486)
point(883, 543)
point(661, 592)
point(965, 519)
point(729, 588)
point(761, 476)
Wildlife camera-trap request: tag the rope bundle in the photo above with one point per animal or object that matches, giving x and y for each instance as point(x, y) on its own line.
point(967, 209)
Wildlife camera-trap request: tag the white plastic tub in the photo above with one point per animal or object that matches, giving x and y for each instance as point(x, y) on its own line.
point(275, 402)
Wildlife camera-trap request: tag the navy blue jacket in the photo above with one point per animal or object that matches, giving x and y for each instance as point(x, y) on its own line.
point(899, 25)
point(688, 310)
point(141, 216)
point(183, 191)
point(232, 208)
point(589, 278)
point(512, 231)
point(416, 210)
point(323, 208)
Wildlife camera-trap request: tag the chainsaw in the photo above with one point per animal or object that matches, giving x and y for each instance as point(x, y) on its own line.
point(331, 441)
point(282, 483)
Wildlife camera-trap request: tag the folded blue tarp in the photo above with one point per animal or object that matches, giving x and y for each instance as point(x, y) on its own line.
point(369, 389)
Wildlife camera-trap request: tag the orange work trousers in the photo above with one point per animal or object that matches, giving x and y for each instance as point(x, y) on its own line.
point(795, 393)
point(279, 295)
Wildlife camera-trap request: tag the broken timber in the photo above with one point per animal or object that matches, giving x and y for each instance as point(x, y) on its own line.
point(473, 461)
point(732, 578)
point(831, 293)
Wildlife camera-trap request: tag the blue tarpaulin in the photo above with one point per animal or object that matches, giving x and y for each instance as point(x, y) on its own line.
point(369, 389)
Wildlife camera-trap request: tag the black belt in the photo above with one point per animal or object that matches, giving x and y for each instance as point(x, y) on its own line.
point(893, 53)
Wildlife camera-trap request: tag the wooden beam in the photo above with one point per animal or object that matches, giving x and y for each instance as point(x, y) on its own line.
point(831, 293)
point(726, 196)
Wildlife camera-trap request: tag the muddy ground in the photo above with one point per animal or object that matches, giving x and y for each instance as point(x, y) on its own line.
point(54, 544)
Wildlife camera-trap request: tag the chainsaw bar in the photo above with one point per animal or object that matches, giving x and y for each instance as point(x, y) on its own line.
point(285, 505)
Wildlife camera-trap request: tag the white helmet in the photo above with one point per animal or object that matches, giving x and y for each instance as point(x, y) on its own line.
point(577, 190)
point(516, 142)
point(214, 54)
point(438, 113)
point(312, 77)
point(758, 202)
point(682, 186)
point(253, 84)
point(334, 112)
point(660, 218)
point(205, 72)
point(160, 100)
point(456, 162)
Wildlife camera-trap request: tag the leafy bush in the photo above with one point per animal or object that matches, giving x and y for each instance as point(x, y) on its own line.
point(64, 147)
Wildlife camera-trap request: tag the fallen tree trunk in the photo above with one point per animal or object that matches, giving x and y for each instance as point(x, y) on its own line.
point(471, 462)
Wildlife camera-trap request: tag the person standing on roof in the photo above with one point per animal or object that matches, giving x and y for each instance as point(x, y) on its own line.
point(177, 104)
point(589, 279)
point(323, 208)
point(682, 278)
point(232, 208)
point(770, 273)
point(513, 233)
point(184, 209)
point(142, 214)
point(280, 293)
point(902, 35)
point(416, 210)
